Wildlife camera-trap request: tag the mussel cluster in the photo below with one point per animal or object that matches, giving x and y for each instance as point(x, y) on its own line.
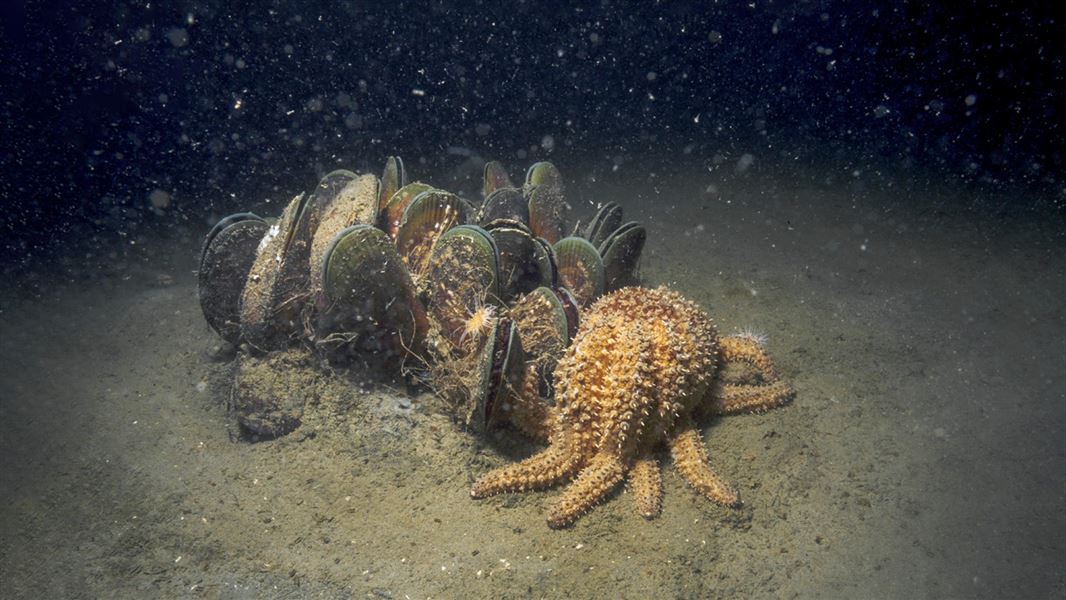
point(472, 298)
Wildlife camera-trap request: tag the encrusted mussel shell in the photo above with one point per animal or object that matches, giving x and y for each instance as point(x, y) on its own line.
point(367, 304)
point(548, 212)
point(521, 264)
point(390, 217)
point(621, 252)
point(276, 287)
point(543, 325)
point(462, 278)
point(607, 220)
point(580, 269)
point(227, 256)
point(329, 187)
point(356, 202)
point(393, 178)
point(502, 367)
point(495, 178)
point(504, 203)
point(428, 216)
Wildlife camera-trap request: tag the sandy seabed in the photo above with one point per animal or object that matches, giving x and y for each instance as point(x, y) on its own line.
point(922, 457)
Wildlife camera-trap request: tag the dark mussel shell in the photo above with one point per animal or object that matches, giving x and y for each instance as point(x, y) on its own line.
point(545, 256)
point(572, 310)
point(462, 278)
point(503, 363)
point(393, 178)
point(606, 221)
point(367, 304)
point(504, 203)
point(548, 212)
point(227, 256)
point(521, 266)
point(428, 216)
point(223, 223)
point(580, 269)
point(621, 253)
point(495, 178)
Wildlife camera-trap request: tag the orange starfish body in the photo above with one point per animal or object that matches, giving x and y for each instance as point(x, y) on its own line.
point(642, 365)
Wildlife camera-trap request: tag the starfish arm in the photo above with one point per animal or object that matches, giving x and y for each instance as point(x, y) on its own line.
point(690, 458)
point(528, 412)
point(736, 348)
point(559, 461)
point(730, 399)
point(647, 484)
point(603, 472)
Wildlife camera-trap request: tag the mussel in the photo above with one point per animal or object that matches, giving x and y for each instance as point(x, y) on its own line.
point(429, 215)
point(226, 258)
point(367, 304)
point(580, 269)
point(621, 252)
point(276, 287)
point(495, 178)
point(463, 288)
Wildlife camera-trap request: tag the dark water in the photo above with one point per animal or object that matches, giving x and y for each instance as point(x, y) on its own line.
point(879, 189)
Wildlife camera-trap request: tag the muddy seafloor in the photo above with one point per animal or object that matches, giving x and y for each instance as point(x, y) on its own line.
point(922, 456)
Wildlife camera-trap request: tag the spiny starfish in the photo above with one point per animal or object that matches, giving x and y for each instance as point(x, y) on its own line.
point(643, 364)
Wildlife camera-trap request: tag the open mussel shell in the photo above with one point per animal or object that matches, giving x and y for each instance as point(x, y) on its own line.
point(544, 173)
point(367, 302)
point(607, 220)
point(495, 178)
point(580, 269)
point(277, 283)
point(462, 273)
point(391, 216)
point(548, 212)
point(428, 216)
point(392, 179)
point(621, 252)
point(227, 256)
point(503, 363)
point(504, 203)
point(521, 266)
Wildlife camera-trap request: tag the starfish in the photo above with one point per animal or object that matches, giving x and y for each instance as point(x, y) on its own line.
point(643, 365)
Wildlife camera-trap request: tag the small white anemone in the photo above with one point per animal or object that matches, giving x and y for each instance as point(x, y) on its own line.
point(478, 322)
